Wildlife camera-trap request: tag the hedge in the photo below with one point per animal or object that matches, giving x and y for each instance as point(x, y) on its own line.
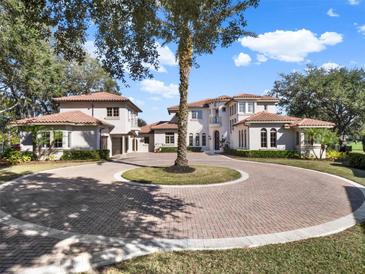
point(262, 153)
point(85, 154)
point(356, 160)
point(168, 149)
point(195, 149)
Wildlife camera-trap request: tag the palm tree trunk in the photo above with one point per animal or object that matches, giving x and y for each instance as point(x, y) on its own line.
point(185, 54)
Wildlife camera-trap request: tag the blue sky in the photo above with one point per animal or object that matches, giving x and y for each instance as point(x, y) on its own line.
point(291, 34)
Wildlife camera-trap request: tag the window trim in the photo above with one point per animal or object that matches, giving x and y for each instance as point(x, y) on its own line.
point(191, 139)
point(169, 138)
point(197, 140)
point(55, 142)
point(263, 138)
point(204, 139)
point(248, 107)
point(273, 137)
point(112, 112)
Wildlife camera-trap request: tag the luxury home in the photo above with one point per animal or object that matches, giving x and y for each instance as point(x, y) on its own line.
point(244, 121)
point(103, 120)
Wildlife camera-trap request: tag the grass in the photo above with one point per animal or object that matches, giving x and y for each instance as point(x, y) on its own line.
point(200, 176)
point(12, 172)
point(356, 175)
point(339, 253)
point(357, 147)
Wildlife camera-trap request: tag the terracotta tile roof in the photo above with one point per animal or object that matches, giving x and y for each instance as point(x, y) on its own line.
point(308, 122)
point(263, 117)
point(225, 98)
point(101, 96)
point(94, 96)
point(63, 118)
point(158, 125)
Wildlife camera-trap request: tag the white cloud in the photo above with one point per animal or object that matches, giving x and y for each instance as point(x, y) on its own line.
point(290, 46)
point(261, 58)
point(159, 88)
point(354, 2)
point(331, 12)
point(155, 98)
point(90, 48)
point(361, 29)
point(166, 58)
point(242, 59)
point(330, 66)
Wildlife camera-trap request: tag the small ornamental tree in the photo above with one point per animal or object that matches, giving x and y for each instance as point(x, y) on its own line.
point(323, 136)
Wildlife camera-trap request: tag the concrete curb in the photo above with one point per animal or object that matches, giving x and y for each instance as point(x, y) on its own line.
point(118, 176)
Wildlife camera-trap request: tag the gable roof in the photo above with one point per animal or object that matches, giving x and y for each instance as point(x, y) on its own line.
point(101, 96)
point(267, 117)
point(63, 118)
point(226, 99)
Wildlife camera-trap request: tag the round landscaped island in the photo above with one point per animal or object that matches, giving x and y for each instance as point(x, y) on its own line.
point(198, 175)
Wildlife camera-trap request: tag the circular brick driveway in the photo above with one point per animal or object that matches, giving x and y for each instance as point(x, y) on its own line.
point(88, 200)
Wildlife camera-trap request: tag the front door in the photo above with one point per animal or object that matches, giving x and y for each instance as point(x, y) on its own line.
point(216, 140)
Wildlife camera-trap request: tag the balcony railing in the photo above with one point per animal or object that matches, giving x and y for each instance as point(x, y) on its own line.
point(215, 120)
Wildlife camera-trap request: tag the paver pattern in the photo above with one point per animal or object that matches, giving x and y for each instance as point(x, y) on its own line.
point(88, 200)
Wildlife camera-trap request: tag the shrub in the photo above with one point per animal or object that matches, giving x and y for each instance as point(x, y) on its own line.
point(262, 153)
point(356, 160)
point(335, 155)
point(168, 149)
point(14, 156)
point(85, 154)
point(195, 149)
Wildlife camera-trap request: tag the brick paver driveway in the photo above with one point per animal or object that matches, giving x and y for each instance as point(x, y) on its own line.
point(87, 200)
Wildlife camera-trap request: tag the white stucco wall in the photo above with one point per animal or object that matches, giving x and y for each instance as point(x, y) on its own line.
point(122, 124)
point(159, 138)
point(285, 137)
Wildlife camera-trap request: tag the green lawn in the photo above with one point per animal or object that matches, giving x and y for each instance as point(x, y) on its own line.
point(201, 175)
point(357, 147)
point(340, 253)
point(12, 172)
point(356, 175)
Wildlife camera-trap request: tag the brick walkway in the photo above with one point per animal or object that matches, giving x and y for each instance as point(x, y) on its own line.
point(86, 200)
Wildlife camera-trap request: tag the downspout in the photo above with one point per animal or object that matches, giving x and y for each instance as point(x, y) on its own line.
point(92, 109)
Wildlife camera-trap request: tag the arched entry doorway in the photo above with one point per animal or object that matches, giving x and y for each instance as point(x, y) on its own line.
point(216, 140)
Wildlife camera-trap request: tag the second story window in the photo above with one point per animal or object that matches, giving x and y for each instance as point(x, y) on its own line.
point(242, 107)
point(250, 107)
point(196, 114)
point(112, 112)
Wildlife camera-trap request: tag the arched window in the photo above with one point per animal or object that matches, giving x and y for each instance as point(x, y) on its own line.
point(197, 140)
point(191, 140)
point(204, 139)
point(263, 137)
point(273, 137)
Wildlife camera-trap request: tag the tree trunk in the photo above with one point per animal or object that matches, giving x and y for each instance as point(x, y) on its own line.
point(185, 54)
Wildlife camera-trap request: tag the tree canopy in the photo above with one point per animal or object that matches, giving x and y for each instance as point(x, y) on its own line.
point(337, 96)
point(31, 74)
